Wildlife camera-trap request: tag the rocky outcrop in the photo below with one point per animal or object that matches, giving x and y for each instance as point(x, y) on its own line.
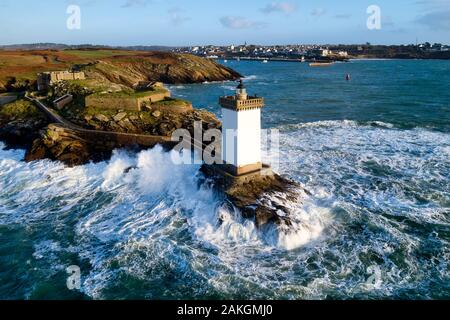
point(20, 133)
point(65, 145)
point(62, 145)
point(160, 66)
point(156, 122)
point(20, 123)
point(257, 195)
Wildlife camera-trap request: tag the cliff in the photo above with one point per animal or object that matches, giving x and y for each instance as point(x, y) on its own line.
point(160, 66)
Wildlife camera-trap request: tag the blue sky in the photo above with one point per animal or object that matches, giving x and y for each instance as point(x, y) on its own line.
point(196, 22)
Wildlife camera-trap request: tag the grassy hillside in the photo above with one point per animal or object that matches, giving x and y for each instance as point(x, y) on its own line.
point(18, 68)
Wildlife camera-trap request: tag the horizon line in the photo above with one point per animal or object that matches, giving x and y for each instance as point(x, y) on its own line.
point(210, 44)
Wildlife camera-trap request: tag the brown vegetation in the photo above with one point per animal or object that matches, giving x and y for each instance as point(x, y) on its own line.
point(18, 69)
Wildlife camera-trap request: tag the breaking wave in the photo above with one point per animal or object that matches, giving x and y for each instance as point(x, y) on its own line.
point(131, 202)
point(250, 77)
point(141, 227)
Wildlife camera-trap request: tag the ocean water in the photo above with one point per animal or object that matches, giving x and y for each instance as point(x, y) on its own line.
point(374, 153)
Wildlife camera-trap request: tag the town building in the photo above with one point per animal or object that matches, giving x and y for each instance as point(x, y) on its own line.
point(241, 132)
point(321, 52)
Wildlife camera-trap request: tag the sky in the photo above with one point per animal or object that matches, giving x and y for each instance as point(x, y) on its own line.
point(202, 22)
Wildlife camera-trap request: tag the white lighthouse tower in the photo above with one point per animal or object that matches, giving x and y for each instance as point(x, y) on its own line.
point(241, 132)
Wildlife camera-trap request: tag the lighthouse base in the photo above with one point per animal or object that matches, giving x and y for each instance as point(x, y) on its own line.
point(239, 171)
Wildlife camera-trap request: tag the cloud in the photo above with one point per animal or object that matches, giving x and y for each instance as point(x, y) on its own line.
point(176, 16)
point(234, 22)
point(342, 16)
point(387, 22)
point(437, 20)
point(435, 14)
point(317, 12)
point(283, 7)
point(135, 3)
point(175, 10)
point(434, 4)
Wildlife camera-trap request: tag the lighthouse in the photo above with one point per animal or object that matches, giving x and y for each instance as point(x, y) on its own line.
point(241, 132)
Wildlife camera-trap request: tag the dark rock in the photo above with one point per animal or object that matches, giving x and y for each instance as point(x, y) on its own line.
point(21, 133)
point(254, 194)
point(60, 144)
point(165, 129)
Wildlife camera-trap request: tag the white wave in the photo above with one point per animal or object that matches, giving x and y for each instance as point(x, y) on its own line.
point(250, 77)
point(11, 154)
point(142, 217)
point(307, 224)
point(321, 124)
point(231, 88)
point(371, 160)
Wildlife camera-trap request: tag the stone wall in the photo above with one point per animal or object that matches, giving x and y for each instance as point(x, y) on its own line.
point(152, 99)
point(44, 79)
point(7, 99)
point(156, 97)
point(124, 103)
point(174, 108)
point(62, 101)
point(66, 75)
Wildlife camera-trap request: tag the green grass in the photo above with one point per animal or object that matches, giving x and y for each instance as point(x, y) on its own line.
point(92, 84)
point(20, 109)
point(168, 102)
point(92, 111)
point(145, 116)
point(130, 93)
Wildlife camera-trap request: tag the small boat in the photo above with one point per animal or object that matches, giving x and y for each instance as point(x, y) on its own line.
point(320, 64)
point(265, 61)
point(225, 61)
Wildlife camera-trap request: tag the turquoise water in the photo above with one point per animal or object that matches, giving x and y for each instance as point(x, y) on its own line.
point(374, 153)
point(406, 93)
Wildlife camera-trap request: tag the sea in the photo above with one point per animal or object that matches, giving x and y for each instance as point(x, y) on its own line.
point(373, 154)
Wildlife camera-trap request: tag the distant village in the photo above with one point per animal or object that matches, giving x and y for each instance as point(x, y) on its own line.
point(294, 52)
point(321, 52)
